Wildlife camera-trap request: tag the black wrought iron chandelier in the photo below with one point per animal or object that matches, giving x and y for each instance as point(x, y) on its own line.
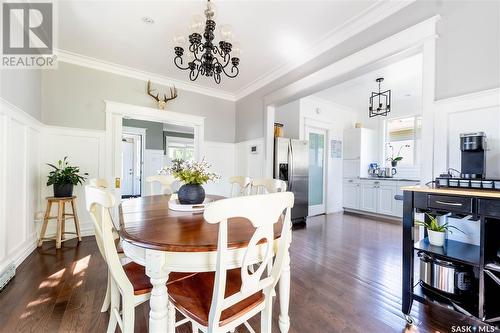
point(205, 57)
point(380, 103)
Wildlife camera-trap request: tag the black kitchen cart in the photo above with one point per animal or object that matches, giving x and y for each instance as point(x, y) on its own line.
point(479, 205)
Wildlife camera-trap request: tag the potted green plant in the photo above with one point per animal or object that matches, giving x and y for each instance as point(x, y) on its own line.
point(436, 231)
point(193, 175)
point(64, 177)
point(395, 159)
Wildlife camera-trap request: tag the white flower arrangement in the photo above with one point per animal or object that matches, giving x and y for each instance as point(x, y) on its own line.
point(191, 172)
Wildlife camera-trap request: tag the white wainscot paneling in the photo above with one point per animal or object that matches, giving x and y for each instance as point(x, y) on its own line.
point(476, 112)
point(153, 163)
point(84, 148)
point(463, 114)
point(248, 163)
point(19, 187)
point(16, 184)
point(222, 158)
point(485, 120)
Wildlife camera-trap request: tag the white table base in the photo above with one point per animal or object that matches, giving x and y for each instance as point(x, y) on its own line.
point(160, 263)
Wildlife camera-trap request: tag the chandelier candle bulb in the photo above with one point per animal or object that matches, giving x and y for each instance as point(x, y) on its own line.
point(196, 25)
point(226, 33)
point(206, 56)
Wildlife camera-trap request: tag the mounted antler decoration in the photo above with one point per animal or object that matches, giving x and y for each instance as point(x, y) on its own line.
point(162, 102)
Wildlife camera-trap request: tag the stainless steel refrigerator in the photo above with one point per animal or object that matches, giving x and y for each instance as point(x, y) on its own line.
point(291, 164)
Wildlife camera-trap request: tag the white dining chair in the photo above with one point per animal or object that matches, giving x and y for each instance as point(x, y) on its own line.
point(267, 185)
point(222, 300)
point(240, 186)
point(103, 184)
point(127, 280)
point(99, 182)
point(166, 184)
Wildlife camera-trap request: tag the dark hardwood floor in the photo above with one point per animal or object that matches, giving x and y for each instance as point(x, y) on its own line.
point(346, 277)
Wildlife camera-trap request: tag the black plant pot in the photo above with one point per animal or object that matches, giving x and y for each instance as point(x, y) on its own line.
point(190, 194)
point(63, 190)
point(394, 164)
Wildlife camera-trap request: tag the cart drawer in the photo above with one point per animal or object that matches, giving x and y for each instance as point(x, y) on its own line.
point(489, 207)
point(450, 204)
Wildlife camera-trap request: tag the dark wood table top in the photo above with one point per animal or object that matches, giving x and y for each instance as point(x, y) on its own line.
point(149, 223)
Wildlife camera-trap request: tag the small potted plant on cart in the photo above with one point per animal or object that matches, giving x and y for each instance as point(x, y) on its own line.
point(435, 230)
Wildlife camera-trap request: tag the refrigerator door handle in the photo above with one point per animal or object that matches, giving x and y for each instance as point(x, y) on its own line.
point(290, 166)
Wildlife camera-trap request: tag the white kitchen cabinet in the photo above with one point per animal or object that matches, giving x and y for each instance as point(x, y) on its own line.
point(351, 194)
point(385, 199)
point(369, 197)
point(374, 196)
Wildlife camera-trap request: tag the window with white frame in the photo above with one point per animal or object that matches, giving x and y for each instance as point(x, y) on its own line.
point(179, 148)
point(402, 140)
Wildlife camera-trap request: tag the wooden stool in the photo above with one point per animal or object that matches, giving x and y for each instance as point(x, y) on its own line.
point(61, 217)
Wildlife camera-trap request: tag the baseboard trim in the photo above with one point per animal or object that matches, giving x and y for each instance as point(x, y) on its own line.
point(7, 274)
point(375, 217)
point(26, 250)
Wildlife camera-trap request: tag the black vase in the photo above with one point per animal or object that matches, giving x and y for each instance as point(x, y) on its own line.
point(394, 164)
point(191, 194)
point(63, 190)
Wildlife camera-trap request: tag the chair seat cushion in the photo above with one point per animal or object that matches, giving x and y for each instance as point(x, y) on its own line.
point(193, 296)
point(140, 281)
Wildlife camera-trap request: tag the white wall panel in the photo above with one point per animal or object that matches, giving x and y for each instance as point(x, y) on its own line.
point(248, 163)
point(19, 185)
point(222, 158)
point(3, 190)
point(468, 113)
point(16, 184)
point(483, 120)
point(84, 148)
point(33, 176)
point(153, 162)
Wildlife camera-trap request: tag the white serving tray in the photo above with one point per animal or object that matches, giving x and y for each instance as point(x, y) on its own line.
point(174, 204)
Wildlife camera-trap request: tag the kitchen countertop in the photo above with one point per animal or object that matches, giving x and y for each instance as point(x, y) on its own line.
point(393, 179)
point(454, 191)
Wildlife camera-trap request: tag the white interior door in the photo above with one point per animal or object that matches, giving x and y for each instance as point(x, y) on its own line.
point(128, 167)
point(317, 170)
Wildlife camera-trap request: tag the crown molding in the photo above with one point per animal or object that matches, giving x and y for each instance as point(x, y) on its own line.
point(475, 100)
point(85, 61)
point(374, 14)
point(365, 19)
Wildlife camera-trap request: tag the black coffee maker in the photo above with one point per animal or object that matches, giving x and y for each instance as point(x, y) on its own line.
point(473, 147)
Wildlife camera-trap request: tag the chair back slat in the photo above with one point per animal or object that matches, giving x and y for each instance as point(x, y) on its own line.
point(263, 212)
point(99, 182)
point(240, 186)
point(166, 184)
point(267, 185)
point(99, 201)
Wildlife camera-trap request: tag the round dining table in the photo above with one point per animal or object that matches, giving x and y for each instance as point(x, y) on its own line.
point(164, 241)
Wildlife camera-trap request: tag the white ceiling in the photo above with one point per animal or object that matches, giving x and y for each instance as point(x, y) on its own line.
point(403, 78)
point(271, 33)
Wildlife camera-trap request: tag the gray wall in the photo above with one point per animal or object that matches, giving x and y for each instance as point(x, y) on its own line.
point(467, 54)
point(154, 132)
point(289, 116)
point(21, 87)
point(73, 96)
